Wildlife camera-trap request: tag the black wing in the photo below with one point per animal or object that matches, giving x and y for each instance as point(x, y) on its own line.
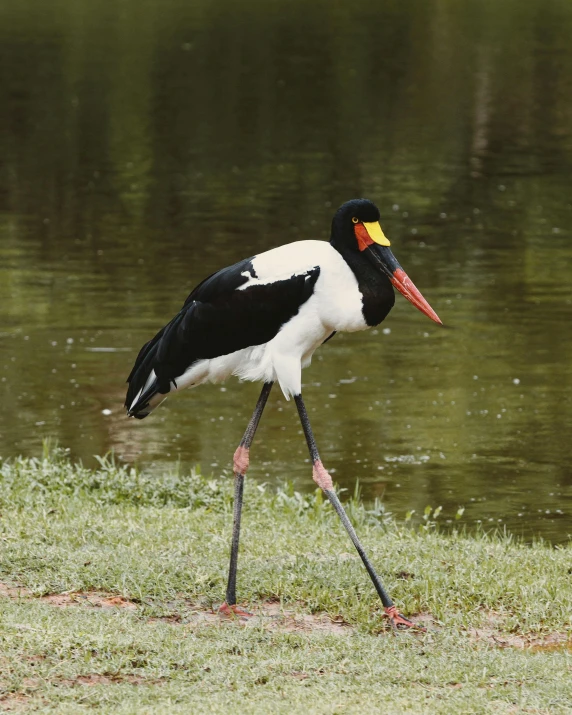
point(217, 319)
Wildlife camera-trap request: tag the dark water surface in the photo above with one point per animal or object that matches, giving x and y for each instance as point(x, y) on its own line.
point(146, 143)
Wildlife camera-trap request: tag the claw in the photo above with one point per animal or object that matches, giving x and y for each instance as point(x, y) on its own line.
point(399, 622)
point(234, 611)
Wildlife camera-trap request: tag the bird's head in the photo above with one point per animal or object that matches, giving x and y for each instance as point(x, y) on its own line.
point(356, 229)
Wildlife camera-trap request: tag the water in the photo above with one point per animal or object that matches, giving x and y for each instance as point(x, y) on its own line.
point(144, 144)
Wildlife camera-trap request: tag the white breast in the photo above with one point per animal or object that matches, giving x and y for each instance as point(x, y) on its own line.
point(336, 299)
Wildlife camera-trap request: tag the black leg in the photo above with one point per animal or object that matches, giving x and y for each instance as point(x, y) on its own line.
point(324, 481)
point(241, 460)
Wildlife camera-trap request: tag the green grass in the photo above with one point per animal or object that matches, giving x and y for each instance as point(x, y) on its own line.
point(163, 543)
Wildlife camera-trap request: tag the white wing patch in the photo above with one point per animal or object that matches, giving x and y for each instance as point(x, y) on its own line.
point(293, 259)
point(272, 279)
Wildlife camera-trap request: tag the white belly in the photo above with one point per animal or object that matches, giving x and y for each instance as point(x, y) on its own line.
point(281, 360)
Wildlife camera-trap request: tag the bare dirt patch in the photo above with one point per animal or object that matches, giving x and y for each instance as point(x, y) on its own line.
point(492, 633)
point(14, 702)
point(273, 616)
point(88, 598)
point(96, 599)
point(14, 591)
point(268, 614)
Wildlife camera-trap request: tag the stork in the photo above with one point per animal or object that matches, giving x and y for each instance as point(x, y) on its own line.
point(262, 319)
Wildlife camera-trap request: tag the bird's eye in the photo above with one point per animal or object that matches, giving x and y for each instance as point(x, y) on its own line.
point(355, 220)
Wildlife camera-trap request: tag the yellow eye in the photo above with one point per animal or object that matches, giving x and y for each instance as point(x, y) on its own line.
point(355, 220)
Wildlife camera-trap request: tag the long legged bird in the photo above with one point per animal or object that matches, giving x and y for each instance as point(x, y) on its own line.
point(262, 319)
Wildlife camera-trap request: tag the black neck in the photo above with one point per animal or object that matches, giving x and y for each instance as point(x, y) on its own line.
point(377, 292)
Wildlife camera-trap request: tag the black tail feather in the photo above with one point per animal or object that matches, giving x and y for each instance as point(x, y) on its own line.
point(145, 363)
point(153, 356)
point(141, 408)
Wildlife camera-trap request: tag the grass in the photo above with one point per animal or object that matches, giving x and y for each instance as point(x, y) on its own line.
point(500, 610)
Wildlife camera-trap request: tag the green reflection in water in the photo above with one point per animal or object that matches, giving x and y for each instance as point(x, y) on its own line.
point(144, 145)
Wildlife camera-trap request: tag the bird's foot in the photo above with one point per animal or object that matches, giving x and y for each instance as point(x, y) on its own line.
point(233, 611)
point(399, 622)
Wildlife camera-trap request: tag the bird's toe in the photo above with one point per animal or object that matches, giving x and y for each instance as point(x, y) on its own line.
point(400, 623)
point(233, 611)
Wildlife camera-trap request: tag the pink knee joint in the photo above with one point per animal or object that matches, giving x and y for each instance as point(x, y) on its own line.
point(241, 460)
point(321, 476)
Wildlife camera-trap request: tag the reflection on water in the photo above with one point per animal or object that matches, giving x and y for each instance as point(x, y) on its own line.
point(143, 145)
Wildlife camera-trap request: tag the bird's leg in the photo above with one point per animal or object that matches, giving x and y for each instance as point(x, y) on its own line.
point(324, 481)
point(241, 460)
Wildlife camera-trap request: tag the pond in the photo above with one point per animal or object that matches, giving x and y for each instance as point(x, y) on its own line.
point(144, 144)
